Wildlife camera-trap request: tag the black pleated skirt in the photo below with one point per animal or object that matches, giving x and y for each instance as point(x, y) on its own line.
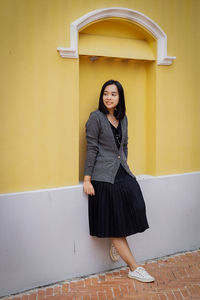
point(117, 210)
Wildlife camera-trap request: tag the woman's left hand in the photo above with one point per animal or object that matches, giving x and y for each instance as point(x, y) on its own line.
point(88, 188)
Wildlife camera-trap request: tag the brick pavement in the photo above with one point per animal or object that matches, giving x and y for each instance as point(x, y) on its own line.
point(177, 278)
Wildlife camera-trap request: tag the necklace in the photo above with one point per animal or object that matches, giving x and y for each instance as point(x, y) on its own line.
point(113, 121)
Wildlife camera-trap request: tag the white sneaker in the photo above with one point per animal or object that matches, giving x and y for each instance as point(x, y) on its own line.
point(114, 253)
point(141, 274)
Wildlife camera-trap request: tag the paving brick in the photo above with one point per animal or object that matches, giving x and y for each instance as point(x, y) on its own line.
point(32, 296)
point(102, 277)
point(86, 297)
point(88, 281)
point(178, 295)
point(184, 292)
point(154, 297)
point(49, 292)
point(192, 290)
point(41, 294)
point(130, 287)
point(57, 290)
point(65, 288)
point(170, 296)
point(197, 287)
point(94, 297)
point(94, 280)
point(117, 292)
point(116, 273)
point(124, 289)
point(101, 295)
point(75, 285)
point(123, 272)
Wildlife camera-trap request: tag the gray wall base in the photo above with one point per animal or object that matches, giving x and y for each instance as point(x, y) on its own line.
point(44, 236)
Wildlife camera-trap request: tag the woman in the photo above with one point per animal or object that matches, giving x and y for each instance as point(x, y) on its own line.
point(116, 204)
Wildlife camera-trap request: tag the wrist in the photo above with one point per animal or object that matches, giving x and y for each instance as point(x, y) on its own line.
point(87, 179)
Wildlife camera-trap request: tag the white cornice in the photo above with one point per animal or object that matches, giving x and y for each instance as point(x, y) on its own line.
point(119, 12)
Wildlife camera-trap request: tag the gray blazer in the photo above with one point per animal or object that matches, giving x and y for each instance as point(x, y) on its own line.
point(103, 157)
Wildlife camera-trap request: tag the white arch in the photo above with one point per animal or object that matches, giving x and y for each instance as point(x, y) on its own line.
point(120, 12)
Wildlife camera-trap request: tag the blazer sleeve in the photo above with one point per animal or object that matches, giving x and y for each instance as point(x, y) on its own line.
point(125, 146)
point(92, 133)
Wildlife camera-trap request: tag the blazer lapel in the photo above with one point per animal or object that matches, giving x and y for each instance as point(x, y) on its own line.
point(107, 123)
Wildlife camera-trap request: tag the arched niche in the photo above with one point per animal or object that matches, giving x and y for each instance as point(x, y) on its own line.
point(107, 50)
point(123, 13)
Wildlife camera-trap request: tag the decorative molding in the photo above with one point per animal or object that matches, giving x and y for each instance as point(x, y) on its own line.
point(119, 12)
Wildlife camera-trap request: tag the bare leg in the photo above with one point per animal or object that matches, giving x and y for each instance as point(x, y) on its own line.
point(122, 247)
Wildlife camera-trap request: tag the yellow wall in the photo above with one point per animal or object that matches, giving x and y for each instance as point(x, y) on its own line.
point(39, 93)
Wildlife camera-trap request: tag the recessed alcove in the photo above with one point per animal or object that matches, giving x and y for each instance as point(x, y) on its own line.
point(121, 50)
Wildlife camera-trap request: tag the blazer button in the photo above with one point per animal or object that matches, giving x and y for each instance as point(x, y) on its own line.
point(119, 156)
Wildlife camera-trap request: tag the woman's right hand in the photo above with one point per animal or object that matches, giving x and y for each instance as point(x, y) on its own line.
point(88, 188)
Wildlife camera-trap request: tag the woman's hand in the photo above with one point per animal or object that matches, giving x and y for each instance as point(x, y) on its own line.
point(87, 186)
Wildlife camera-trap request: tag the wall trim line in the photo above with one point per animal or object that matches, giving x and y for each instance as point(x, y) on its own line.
point(138, 177)
point(119, 12)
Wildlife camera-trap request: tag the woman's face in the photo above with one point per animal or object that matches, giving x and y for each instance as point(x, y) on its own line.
point(110, 97)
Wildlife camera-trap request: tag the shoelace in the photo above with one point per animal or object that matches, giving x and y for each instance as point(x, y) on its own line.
point(142, 272)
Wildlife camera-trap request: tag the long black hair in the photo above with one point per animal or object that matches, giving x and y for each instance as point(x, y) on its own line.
point(120, 108)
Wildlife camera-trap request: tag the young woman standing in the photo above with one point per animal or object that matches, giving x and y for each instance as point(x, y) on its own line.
point(116, 205)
